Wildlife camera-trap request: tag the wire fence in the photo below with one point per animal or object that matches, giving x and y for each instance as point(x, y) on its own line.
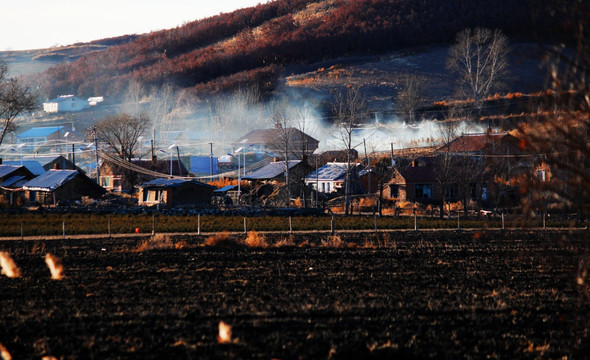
point(64, 225)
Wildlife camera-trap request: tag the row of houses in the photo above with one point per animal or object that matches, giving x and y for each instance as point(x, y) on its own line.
point(416, 180)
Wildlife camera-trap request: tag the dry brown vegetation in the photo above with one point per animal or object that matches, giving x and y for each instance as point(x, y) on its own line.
point(8, 266)
point(255, 239)
point(222, 239)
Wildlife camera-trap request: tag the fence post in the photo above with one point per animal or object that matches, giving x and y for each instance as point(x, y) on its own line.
point(198, 224)
point(502, 221)
point(332, 225)
point(458, 221)
point(245, 226)
point(109, 226)
point(63, 229)
point(375, 216)
point(290, 225)
point(153, 224)
point(415, 222)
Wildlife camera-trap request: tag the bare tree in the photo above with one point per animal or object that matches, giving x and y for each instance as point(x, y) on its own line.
point(15, 100)
point(561, 137)
point(122, 133)
point(133, 98)
point(282, 118)
point(445, 173)
point(384, 170)
point(161, 109)
point(349, 109)
point(409, 97)
point(480, 60)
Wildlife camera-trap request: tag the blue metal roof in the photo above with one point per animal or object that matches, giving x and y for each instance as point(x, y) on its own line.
point(168, 183)
point(40, 132)
point(33, 166)
point(329, 172)
point(271, 170)
point(51, 180)
point(14, 181)
point(7, 169)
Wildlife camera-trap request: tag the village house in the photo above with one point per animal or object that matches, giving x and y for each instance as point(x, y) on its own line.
point(175, 192)
point(12, 177)
point(65, 103)
point(49, 162)
point(116, 178)
point(33, 166)
point(59, 137)
point(331, 177)
point(413, 184)
point(268, 140)
point(275, 171)
point(484, 144)
point(225, 196)
point(61, 185)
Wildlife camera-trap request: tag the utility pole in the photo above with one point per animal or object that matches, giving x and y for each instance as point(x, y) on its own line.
point(178, 156)
point(211, 163)
point(74, 156)
point(153, 155)
point(317, 185)
point(368, 167)
point(96, 155)
point(392, 161)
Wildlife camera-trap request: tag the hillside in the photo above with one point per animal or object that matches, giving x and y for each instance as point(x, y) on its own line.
point(254, 47)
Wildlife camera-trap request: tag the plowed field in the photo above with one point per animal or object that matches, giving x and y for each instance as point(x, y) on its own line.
point(444, 295)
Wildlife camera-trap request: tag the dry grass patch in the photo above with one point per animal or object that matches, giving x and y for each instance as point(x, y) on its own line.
point(289, 241)
point(222, 239)
point(333, 241)
point(8, 266)
point(55, 266)
point(256, 240)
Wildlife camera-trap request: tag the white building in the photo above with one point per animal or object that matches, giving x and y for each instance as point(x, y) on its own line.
point(65, 103)
point(329, 178)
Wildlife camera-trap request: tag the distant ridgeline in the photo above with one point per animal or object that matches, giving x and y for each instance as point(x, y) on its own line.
point(249, 47)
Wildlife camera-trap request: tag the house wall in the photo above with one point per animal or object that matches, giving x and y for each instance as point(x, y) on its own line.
point(74, 189)
point(324, 186)
point(189, 194)
point(50, 107)
point(72, 104)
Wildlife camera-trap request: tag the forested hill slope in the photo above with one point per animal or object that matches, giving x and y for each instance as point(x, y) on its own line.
point(249, 47)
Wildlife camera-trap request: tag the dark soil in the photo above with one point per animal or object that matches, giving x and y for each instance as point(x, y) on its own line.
point(442, 295)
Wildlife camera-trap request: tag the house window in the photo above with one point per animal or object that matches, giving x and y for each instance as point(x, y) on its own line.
point(106, 182)
point(541, 175)
point(423, 191)
point(394, 191)
point(327, 187)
